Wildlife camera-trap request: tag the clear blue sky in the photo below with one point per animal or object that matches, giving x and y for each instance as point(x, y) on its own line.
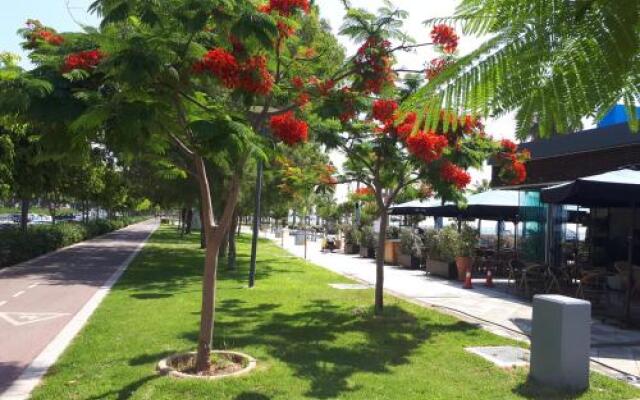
point(50, 12)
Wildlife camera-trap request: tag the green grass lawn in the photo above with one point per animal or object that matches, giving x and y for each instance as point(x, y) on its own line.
point(311, 341)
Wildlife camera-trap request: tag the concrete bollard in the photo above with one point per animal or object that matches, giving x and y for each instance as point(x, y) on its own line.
point(560, 342)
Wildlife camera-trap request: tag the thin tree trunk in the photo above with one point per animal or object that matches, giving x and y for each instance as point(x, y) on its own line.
point(231, 259)
point(214, 237)
point(24, 214)
point(379, 301)
point(189, 220)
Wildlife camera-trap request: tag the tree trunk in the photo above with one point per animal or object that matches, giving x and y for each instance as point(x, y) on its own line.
point(379, 301)
point(24, 214)
point(203, 233)
point(224, 246)
point(189, 220)
point(214, 237)
point(231, 259)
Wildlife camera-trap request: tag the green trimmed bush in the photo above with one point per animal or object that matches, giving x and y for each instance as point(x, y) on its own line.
point(17, 246)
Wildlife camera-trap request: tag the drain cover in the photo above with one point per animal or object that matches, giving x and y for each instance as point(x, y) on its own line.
point(502, 356)
point(348, 286)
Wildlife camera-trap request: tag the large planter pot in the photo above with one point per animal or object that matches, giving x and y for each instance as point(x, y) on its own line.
point(444, 269)
point(367, 252)
point(408, 261)
point(463, 264)
point(350, 248)
point(391, 251)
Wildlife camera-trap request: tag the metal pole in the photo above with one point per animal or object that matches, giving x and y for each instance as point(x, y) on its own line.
point(630, 284)
point(256, 222)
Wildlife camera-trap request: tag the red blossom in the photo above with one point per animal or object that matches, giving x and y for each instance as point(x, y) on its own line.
point(383, 110)
point(455, 175)
point(222, 64)
point(373, 65)
point(365, 191)
point(255, 77)
point(435, 68)
point(508, 146)
point(285, 7)
point(297, 82)
point(427, 146)
point(303, 99)
point(285, 29)
point(445, 36)
point(325, 87)
point(520, 172)
point(289, 129)
point(85, 60)
point(406, 127)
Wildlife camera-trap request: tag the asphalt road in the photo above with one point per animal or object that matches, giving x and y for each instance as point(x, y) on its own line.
point(39, 298)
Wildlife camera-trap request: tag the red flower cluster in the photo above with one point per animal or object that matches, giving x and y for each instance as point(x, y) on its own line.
point(286, 7)
point(297, 82)
point(373, 65)
point(303, 99)
point(427, 146)
point(512, 163)
point(289, 129)
point(252, 76)
point(445, 36)
point(451, 173)
point(508, 146)
point(49, 37)
point(222, 64)
point(436, 66)
point(85, 60)
point(365, 191)
point(255, 77)
point(384, 110)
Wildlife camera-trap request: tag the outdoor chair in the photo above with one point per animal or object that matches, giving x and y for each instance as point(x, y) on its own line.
point(535, 279)
point(592, 285)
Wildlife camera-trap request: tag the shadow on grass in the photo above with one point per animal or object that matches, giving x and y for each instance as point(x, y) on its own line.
point(127, 391)
point(536, 391)
point(325, 343)
point(251, 396)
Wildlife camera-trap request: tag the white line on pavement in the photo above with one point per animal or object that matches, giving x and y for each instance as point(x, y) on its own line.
point(3, 302)
point(20, 293)
point(32, 286)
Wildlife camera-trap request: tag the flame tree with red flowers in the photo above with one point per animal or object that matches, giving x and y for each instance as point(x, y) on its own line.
point(390, 151)
point(218, 82)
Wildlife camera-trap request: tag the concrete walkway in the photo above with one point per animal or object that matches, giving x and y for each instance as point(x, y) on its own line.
point(44, 302)
point(614, 351)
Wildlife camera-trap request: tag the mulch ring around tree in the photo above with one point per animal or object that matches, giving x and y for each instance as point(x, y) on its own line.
point(223, 364)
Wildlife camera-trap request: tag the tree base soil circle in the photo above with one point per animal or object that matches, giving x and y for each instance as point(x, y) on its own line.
point(224, 364)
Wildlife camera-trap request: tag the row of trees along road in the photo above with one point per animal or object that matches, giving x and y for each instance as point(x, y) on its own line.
point(220, 81)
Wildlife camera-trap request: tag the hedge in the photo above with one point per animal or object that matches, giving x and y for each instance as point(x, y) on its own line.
point(17, 246)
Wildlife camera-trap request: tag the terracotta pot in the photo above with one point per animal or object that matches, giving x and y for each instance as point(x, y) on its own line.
point(463, 264)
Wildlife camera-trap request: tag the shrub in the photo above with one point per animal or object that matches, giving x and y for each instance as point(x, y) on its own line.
point(17, 246)
point(430, 240)
point(350, 234)
point(366, 237)
point(393, 232)
point(447, 243)
point(411, 243)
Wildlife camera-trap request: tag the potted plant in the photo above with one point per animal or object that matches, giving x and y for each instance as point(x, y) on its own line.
point(350, 240)
point(366, 241)
point(440, 254)
point(467, 240)
point(410, 253)
point(392, 245)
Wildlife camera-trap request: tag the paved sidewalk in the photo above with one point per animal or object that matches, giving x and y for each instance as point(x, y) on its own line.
point(614, 350)
point(45, 301)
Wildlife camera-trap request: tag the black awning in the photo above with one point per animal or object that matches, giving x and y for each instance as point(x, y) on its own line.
point(612, 189)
